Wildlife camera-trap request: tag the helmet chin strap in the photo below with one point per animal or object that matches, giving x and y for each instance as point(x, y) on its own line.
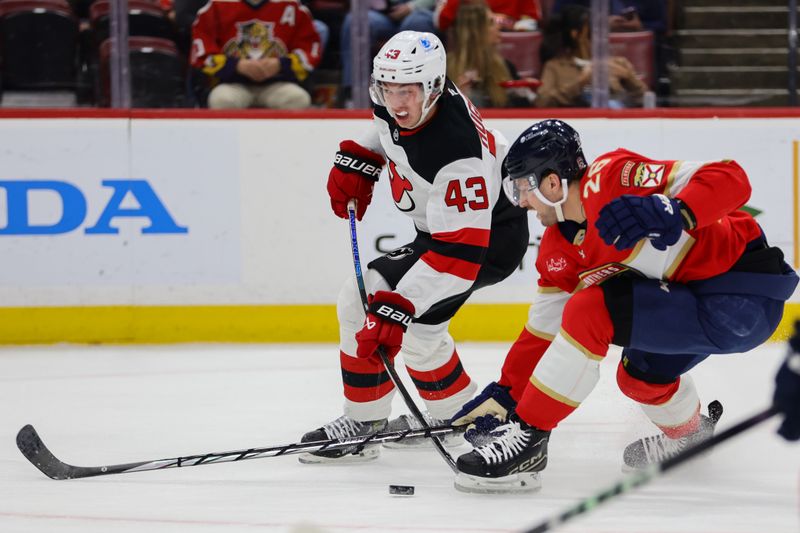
point(555, 205)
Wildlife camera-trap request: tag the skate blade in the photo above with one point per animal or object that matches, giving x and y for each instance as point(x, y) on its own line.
point(364, 456)
point(627, 469)
point(513, 484)
point(422, 444)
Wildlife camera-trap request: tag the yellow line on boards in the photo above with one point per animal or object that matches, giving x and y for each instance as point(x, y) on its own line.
point(278, 323)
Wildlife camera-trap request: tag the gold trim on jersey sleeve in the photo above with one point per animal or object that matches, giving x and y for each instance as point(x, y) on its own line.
point(540, 334)
point(668, 273)
point(548, 290)
point(671, 178)
point(579, 347)
point(553, 394)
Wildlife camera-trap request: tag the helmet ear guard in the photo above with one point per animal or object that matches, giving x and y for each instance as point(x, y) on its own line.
point(411, 57)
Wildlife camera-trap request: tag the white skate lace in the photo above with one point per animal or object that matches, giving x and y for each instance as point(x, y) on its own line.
point(658, 447)
point(342, 428)
point(511, 441)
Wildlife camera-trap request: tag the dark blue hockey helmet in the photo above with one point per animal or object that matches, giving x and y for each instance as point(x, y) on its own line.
point(547, 146)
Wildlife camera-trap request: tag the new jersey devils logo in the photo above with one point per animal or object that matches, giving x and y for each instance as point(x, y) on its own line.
point(400, 189)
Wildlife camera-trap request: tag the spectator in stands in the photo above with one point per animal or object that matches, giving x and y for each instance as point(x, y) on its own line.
point(474, 63)
point(567, 66)
point(183, 13)
point(385, 18)
point(644, 15)
point(623, 14)
point(256, 53)
point(512, 15)
point(651, 15)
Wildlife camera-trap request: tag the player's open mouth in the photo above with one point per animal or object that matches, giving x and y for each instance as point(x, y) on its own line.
point(401, 114)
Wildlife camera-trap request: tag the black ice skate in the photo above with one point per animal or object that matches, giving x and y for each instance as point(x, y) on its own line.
point(510, 463)
point(404, 422)
point(657, 448)
point(343, 427)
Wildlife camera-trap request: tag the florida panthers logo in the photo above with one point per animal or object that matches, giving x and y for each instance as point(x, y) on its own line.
point(556, 264)
point(400, 189)
point(648, 175)
point(254, 39)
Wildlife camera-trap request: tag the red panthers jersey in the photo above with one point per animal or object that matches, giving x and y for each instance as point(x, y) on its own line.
point(713, 191)
point(573, 256)
point(447, 10)
point(228, 30)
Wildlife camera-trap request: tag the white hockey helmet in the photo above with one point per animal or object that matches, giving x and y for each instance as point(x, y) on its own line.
point(411, 57)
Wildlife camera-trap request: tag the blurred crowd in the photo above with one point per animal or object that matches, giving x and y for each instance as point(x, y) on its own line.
point(295, 54)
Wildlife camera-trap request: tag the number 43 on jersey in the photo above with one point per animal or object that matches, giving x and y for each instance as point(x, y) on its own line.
point(472, 194)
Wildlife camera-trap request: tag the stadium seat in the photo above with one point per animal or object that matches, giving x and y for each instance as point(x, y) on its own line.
point(522, 49)
point(341, 6)
point(157, 73)
point(39, 41)
point(6, 5)
point(145, 18)
point(639, 48)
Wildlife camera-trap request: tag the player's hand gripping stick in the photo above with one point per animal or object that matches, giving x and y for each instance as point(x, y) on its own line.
point(351, 211)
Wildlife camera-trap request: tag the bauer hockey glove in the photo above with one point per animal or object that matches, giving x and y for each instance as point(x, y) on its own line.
point(787, 390)
point(353, 176)
point(628, 219)
point(388, 317)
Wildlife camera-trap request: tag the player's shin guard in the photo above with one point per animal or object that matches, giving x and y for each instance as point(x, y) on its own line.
point(367, 388)
point(441, 381)
point(569, 369)
point(522, 358)
point(436, 370)
point(675, 408)
point(444, 389)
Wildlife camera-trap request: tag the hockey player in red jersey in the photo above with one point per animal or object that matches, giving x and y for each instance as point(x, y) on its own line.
point(255, 52)
point(444, 169)
point(654, 256)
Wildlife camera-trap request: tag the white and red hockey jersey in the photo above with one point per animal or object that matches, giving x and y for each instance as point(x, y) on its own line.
point(446, 176)
point(226, 31)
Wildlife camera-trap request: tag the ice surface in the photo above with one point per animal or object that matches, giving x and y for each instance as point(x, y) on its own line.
point(100, 404)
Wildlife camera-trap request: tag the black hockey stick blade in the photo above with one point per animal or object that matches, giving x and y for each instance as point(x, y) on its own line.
point(32, 447)
point(642, 477)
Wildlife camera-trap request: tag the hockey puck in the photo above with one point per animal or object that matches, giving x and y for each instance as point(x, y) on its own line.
point(401, 490)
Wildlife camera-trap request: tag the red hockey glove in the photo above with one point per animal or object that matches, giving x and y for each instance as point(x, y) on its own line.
point(354, 173)
point(387, 319)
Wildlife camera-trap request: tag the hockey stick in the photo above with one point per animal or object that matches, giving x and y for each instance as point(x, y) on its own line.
point(637, 479)
point(351, 211)
point(32, 447)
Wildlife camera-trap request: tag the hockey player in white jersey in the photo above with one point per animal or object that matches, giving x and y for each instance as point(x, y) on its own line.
point(444, 168)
